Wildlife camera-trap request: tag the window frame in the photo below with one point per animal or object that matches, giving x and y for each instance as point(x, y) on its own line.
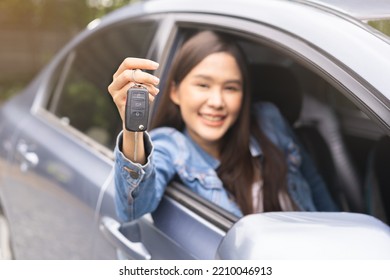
point(356, 90)
point(60, 66)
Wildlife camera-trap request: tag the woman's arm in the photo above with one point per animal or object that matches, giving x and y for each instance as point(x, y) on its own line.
point(139, 188)
point(130, 171)
point(125, 77)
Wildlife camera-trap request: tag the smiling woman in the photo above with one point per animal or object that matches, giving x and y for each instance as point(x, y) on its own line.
point(206, 127)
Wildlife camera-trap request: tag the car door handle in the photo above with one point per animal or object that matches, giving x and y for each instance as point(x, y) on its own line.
point(29, 158)
point(112, 230)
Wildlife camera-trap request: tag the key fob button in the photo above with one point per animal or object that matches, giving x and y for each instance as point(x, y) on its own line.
point(138, 114)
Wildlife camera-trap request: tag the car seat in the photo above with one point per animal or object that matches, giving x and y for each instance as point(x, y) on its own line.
point(377, 185)
point(278, 85)
point(317, 128)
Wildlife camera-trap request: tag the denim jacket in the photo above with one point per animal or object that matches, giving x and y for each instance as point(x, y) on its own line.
point(170, 153)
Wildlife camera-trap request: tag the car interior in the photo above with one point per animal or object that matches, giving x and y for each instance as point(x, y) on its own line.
point(348, 148)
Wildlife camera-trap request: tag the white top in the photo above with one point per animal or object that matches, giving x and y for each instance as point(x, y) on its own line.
point(257, 196)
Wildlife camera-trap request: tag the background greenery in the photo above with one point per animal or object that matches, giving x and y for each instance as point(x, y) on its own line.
point(32, 31)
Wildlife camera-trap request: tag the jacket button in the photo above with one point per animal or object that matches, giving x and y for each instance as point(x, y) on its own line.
point(133, 173)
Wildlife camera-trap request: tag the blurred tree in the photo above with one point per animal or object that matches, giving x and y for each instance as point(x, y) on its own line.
point(16, 12)
point(31, 31)
point(382, 25)
point(54, 14)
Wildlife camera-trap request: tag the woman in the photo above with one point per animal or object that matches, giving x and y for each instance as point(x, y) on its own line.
point(243, 158)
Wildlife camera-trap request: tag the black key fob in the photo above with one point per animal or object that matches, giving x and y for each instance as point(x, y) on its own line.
point(137, 109)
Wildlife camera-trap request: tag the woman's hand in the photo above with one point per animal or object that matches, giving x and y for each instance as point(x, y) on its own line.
point(129, 73)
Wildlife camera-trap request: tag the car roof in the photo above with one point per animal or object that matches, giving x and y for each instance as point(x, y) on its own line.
point(360, 9)
point(292, 15)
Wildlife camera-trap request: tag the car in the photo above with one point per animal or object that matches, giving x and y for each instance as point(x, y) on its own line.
point(323, 63)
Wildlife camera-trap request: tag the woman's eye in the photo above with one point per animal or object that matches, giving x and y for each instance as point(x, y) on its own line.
point(232, 88)
point(202, 85)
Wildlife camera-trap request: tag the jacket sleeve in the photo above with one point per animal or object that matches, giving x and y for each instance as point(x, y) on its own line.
point(139, 188)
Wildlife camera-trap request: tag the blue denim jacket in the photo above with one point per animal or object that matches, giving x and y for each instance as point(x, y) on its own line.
point(139, 188)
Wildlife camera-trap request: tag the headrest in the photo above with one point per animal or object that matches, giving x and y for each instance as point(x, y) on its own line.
point(277, 84)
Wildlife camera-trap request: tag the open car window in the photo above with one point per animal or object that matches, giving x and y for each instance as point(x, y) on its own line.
point(326, 117)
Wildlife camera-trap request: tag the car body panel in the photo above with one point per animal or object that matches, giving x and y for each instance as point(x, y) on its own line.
point(332, 236)
point(359, 8)
point(53, 190)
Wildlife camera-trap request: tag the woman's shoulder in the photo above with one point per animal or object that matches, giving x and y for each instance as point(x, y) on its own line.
point(169, 138)
point(177, 145)
point(167, 133)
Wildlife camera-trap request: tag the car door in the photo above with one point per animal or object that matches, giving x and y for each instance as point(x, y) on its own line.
point(62, 152)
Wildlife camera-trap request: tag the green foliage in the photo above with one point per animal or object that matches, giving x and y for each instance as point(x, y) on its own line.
point(381, 25)
point(7, 92)
point(81, 102)
point(54, 14)
point(89, 110)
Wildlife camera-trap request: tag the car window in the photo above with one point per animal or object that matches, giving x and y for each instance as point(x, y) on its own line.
point(79, 95)
point(335, 131)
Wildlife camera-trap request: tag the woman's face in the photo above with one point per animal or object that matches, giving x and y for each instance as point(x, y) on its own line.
point(210, 98)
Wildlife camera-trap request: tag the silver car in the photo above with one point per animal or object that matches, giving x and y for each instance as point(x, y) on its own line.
point(324, 63)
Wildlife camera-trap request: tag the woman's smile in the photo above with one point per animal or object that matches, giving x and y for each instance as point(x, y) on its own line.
point(213, 119)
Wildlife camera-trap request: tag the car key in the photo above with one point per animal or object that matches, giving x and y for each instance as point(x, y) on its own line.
point(137, 112)
point(137, 108)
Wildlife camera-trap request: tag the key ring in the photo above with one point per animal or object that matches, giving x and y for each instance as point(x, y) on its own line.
point(136, 84)
point(133, 77)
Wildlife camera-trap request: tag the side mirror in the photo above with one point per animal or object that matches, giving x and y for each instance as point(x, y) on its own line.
point(306, 235)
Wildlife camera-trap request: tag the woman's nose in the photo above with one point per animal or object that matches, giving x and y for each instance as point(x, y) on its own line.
point(216, 98)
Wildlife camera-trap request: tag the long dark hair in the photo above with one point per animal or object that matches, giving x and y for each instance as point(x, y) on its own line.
point(238, 170)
